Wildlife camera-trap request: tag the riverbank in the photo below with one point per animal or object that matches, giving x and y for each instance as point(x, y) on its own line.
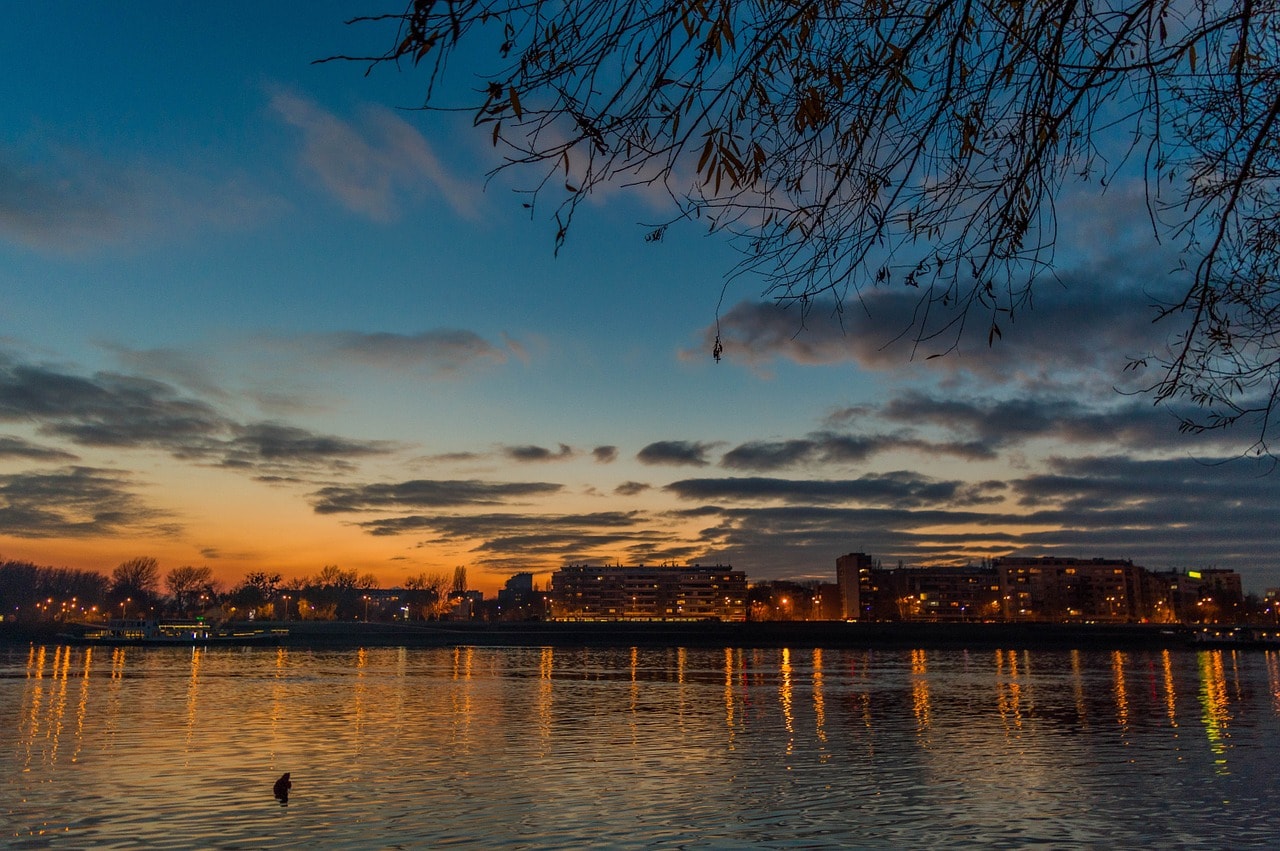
point(823, 634)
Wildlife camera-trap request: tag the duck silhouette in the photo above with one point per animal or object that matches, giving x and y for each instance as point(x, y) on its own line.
point(282, 787)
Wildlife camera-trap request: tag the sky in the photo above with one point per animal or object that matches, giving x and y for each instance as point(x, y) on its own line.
point(263, 314)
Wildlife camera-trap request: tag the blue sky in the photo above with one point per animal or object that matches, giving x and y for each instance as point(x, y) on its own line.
point(260, 313)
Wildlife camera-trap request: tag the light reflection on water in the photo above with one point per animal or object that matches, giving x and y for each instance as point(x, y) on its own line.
point(543, 748)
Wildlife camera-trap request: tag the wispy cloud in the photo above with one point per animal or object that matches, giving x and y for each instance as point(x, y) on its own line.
point(67, 200)
point(441, 351)
point(371, 168)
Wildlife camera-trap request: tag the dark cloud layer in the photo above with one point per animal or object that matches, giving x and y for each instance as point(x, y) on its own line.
point(1161, 513)
point(129, 412)
point(900, 489)
point(535, 454)
point(675, 453)
point(1092, 320)
point(16, 447)
point(105, 410)
point(74, 502)
point(425, 493)
point(520, 540)
point(270, 444)
point(831, 448)
point(468, 526)
point(993, 424)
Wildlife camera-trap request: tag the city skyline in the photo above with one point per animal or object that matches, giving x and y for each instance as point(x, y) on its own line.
point(262, 314)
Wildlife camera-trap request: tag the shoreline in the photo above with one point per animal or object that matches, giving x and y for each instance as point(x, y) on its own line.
point(771, 634)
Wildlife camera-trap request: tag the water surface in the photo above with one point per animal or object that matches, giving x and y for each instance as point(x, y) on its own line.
point(637, 748)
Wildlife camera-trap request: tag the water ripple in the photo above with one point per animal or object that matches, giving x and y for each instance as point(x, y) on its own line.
point(525, 748)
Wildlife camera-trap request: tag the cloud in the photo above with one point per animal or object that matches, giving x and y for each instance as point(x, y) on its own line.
point(538, 454)
point(58, 205)
point(186, 369)
point(75, 502)
point(897, 489)
point(1087, 322)
point(676, 453)
point(106, 409)
point(131, 412)
point(525, 540)
point(472, 526)
point(827, 448)
point(267, 444)
point(442, 351)
point(59, 198)
point(1160, 513)
point(769, 455)
point(631, 488)
point(16, 447)
point(605, 454)
point(997, 423)
point(452, 457)
point(372, 168)
point(425, 493)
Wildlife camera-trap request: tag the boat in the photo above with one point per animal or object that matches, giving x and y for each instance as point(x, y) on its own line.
point(1236, 636)
point(173, 633)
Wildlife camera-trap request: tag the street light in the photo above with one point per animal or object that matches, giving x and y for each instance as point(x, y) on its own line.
point(366, 608)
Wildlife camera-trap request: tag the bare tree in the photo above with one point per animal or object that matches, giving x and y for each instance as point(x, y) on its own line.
point(916, 143)
point(426, 594)
point(186, 583)
point(137, 579)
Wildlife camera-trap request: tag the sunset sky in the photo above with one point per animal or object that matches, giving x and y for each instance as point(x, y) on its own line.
point(260, 314)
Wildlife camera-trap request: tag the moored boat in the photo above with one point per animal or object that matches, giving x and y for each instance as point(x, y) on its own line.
point(1236, 636)
point(145, 631)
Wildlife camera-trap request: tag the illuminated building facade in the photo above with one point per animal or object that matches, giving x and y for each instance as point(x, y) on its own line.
point(1070, 589)
point(851, 571)
point(965, 593)
point(1194, 596)
point(1049, 588)
point(643, 592)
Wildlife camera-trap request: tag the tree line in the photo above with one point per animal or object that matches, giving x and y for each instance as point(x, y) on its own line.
point(138, 587)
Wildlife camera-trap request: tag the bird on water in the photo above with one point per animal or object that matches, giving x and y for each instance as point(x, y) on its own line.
point(282, 787)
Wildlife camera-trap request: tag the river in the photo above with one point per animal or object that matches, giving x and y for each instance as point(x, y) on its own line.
point(637, 748)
